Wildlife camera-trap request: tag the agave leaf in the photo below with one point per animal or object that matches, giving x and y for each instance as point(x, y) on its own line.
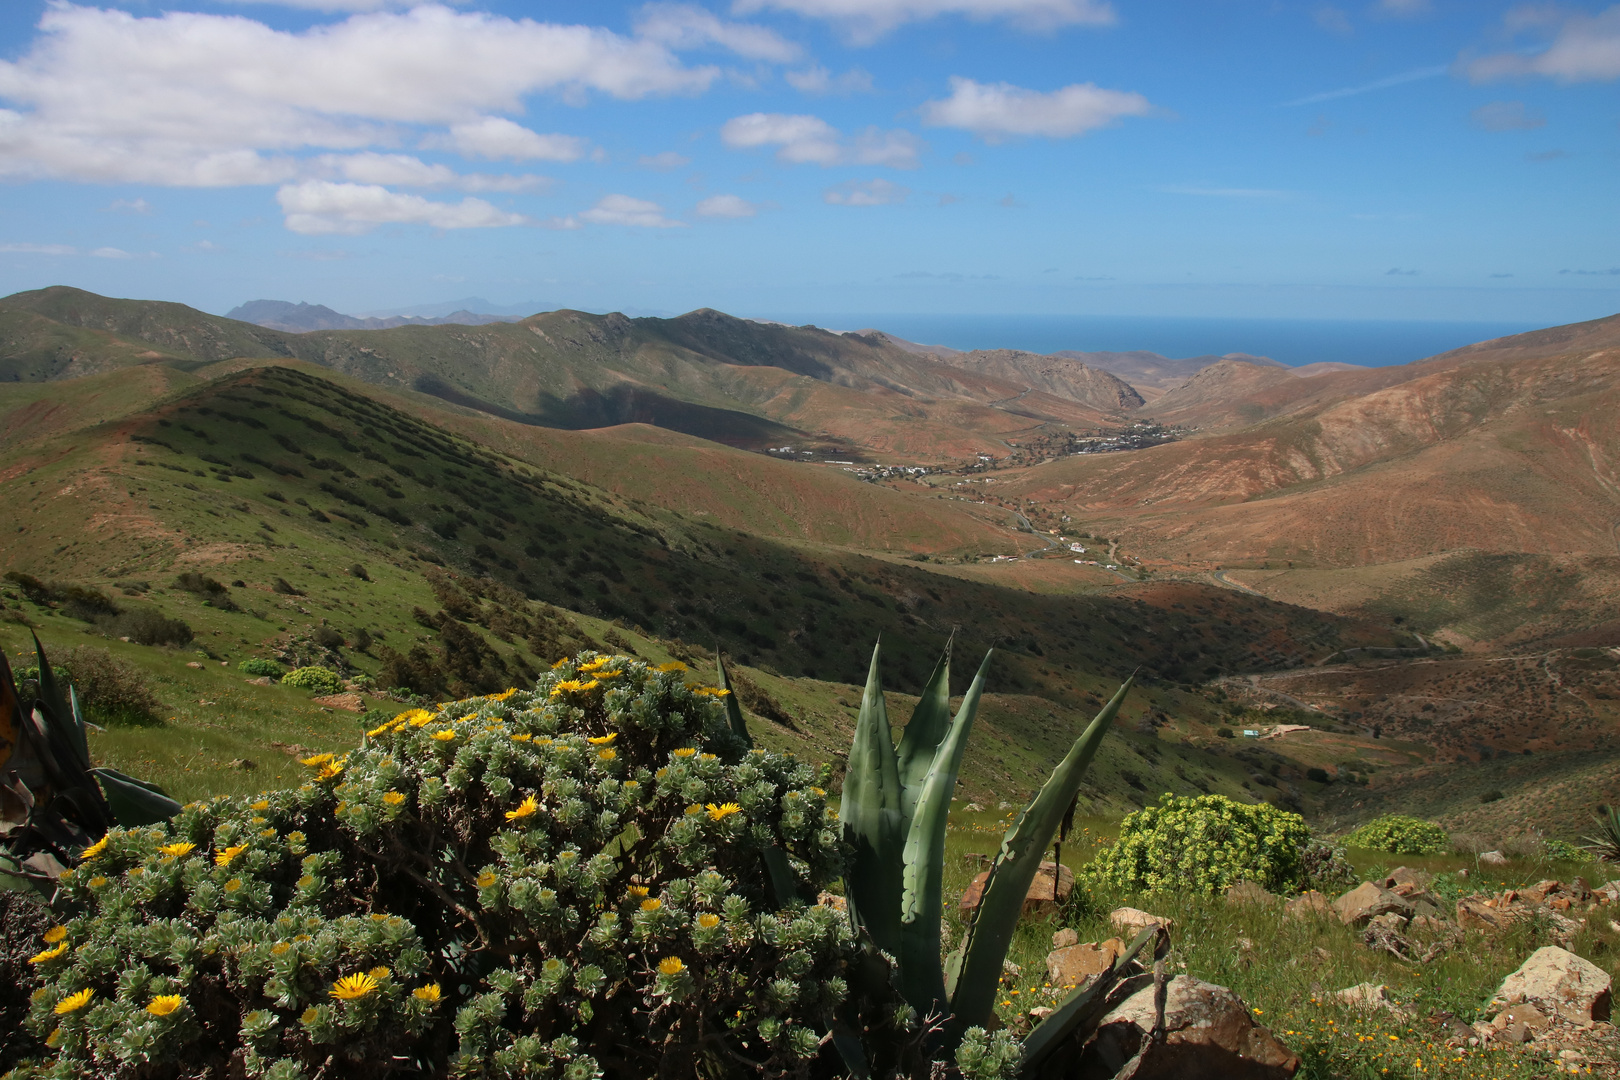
point(1083, 1007)
point(922, 734)
point(135, 802)
point(739, 726)
point(923, 870)
point(1015, 867)
point(870, 811)
point(11, 722)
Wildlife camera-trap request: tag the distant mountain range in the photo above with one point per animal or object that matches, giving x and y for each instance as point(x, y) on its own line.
point(303, 318)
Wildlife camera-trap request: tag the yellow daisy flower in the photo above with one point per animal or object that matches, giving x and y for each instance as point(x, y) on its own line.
point(74, 1002)
point(261, 805)
point(175, 850)
point(486, 879)
point(164, 1004)
point(315, 759)
point(606, 755)
point(444, 736)
point(686, 751)
point(353, 987)
point(54, 934)
point(673, 665)
point(49, 954)
point(708, 920)
point(226, 857)
point(602, 740)
point(651, 904)
point(528, 806)
point(429, 993)
point(671, 965)
point(723, 811)
point(94, 849)
point(394, 798)
point(522, 736)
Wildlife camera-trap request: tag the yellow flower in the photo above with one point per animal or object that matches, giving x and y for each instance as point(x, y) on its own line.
point(686, 751)
point(606, 755)
point(651, 904)
point(262, 804)
point(708, 920)
point(695, 808)
point(706, 757)
point(306, 881)
point(279, 947)
point(233, 885)
point(315, 759)
point(673, 665)
point(74, 1002)
point(94, 849)
point(379, 972)
point(608, 674)
point(54, 1038)
point(503, 695)
point(638, 890)
point(486, 879)
point(164, 1004)
point(267, 833)
point(174, 851)
point(561, 663)
point(394, 798)
point(429, 993)
point(309, 1016)
point(522, 736)
point(329, 770)
point(595, 665)
point(378, 730)
point(49, 954)
point(225, 858)
point(723, 811)
point(710, 691)
point(416, 717)
point(353, 987)
point(54, 934)
point(97, 882)
point(671, 965)
point(590, 684)
point(444, 736)
point(602, 740)
point(524, 809)
point(818, 791)
point(568, 686)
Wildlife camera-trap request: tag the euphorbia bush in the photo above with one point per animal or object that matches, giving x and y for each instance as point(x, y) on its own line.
point(317, 679)
point(566, 882)
point(1205, 843)
point(1400, 835)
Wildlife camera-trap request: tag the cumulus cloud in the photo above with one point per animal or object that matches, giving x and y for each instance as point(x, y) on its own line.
point(330, 5)
point(1000, 110)
point(1507, 116)
point(403, 170)
point(1585, 48)
point(878, 192)
point(864, 21)
point(727, 206)
point(194, 99)
point(686, 26)
point(624, 210)
point(810, 140)
point(323, 207)
point(664, 161)
point(495, 138)
point(818, 80)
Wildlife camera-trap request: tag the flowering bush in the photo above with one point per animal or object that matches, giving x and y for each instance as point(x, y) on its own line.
point(319, 680)
point(259, 668)
point(566, 882)
point(1206, 843)
point(1400, 835)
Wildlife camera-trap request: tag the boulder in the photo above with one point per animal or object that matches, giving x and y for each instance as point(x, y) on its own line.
point(1524, 1013)
point(1485, 913)
point(1073, 965)
point(1358, 906)
point(1492, 858)
point(263, 680)
point(1248, 893)
point(1309, 905)
point(1052, 886)
point(1209, 1034)
point(1406, 881)
point(1064, 938)
point(1129, 921)
point(1559, 983)
point(1608, 892)
point(1365, 996)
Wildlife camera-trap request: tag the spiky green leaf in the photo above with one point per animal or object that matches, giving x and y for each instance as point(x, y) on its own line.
point(870, 812)
point(922, 734)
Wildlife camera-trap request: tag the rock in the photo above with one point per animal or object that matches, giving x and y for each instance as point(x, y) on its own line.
point(262, 680)
point(1432, 924)
point(1129, 921)
point(1462, 875)
point(1608, 893)
point(1309, 905)
point(1406, 881)
point(1043, 896)
point(1393, 921)
point(1072, 965)
point(1516, 1033)
point(1539, 892)
point(1064, 938)
point(1492, 858)
point(350, 702)
point(1479, 913)
point(1559, 983)
point(1039, 1013)
point(1247, 892)
point(832, 900)
point(193, 663)
point(1524, 1013)
point(1209, 1034)
point(1010, 968)
point(1358, 906)
point(1366, 996)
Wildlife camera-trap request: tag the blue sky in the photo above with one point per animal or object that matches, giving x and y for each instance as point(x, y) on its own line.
point(1399, 159)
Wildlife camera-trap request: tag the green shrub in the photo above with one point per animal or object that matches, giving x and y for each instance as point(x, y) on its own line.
point(559, 883)
point(1204, 843)
point(112, 692)
point(1400, 835)
point(1564, 851)
point(259, 668)
point(1326, 869)
point(318, 680)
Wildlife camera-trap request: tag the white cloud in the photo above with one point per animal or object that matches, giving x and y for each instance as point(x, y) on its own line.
point(624, 210)
point(664, 161)
point(818, 80)
point(496, 138)
point(998, 111)
point(810, 140)
point(38, 249)
point(1585, 49)
point(403, 170)
point(1507, 116)
point(130, 206)
point(686, 26)
point(110, 253)
point(330, 5)
point(867, 20)
point(321, 207)
point(726, 206)
point(1385, 83)
point(870, 193)
point(192, 99)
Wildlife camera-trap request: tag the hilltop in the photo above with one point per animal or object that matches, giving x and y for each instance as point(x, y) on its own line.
point(301, 317)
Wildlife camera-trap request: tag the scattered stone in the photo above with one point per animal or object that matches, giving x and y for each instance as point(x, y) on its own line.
point(1560, 983)
point(1247, 892)
point(1309, 905)
point(1524, 1013)
point(1052, 886)
point(1064, 938)
point(1492, 858)
point(1406, 881)
point(1011, 968)
point(350, 702)
point(1608, 893)
point(193, 663)
point(1039, 1013)
point(1209, 1034)
point(1481, 913)
point(1358, 906)
point(263, 680)
point(1462, 875)
point(1432, 924)
point(1516, 1033)
point(1366, 996)
point(1073, 965)
point(832, 900)
point(1129, 921)
point(1392, 921)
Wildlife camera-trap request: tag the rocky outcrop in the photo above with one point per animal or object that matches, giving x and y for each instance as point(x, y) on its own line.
point(1368, 900)
point(1128, 921)
point(1072, 965)
point(1208, 1034)
point(1052, 886)
point(1560, 984)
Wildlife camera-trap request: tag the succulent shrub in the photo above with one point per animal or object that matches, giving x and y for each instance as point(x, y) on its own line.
point(259, 668)
point(1205, 843)
point(566, 882)
point(1326, 869)
point(318, 680)
point(1400, 835)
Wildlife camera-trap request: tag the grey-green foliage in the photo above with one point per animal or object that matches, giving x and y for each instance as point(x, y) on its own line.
point(984, 1055)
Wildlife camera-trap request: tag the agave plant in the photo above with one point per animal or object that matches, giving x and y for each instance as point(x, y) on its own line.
point(1606, 845)
point(53, 802)
point(894, 809)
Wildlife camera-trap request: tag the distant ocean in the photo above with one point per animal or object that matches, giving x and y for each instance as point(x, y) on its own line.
point(1295, 342)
